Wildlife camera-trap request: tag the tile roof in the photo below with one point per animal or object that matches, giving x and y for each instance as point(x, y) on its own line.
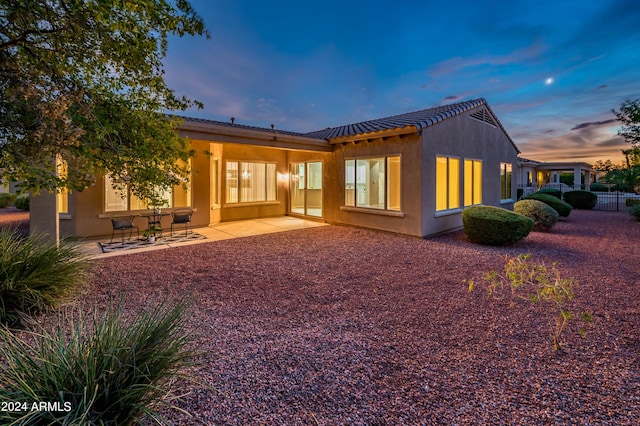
point(420, 119)
point(238, 126)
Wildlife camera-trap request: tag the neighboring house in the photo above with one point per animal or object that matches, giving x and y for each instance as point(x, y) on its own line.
point(411, 173)
point(533, 175)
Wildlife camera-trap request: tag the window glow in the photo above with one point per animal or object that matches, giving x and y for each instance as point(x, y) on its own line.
point(505, 181)
point(447, 183)
point(472, 182)
point(248, 182)
point(63, 193)
point(119, 198)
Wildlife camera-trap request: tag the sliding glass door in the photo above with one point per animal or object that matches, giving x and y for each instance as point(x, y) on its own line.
point(306, 188)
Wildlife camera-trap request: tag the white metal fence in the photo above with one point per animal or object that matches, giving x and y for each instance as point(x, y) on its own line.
point(614, 201)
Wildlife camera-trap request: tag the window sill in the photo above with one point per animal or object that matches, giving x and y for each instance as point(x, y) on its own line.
point(64, 216)
point(447, 212)
point(127, 213)
point(380, 212)
point(253, 204)
point(509, 201)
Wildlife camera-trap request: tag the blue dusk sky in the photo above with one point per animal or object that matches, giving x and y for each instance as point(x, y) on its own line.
point(551, 71)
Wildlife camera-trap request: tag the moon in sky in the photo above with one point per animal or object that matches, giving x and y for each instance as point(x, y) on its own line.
point(548, 81)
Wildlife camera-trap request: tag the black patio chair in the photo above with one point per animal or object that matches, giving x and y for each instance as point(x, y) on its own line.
point(181, 217)
point(123, 224)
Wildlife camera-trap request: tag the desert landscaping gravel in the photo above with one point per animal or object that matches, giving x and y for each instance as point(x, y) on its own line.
point(345, 326)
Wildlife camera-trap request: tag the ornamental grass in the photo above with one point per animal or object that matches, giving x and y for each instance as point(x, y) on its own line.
point(36, 274)
point(94, 369)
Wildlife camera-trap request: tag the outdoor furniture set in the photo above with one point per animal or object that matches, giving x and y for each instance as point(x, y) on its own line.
point(124, 224)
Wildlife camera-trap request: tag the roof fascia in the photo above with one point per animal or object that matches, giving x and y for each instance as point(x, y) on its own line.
point(563, 165)
point(216, 133)
point(406, 130)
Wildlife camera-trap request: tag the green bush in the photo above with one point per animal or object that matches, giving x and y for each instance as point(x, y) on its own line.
point(598, 187)
point(543, 216)
point(494, 226)
point(563, 209)
point(551, 191)
point(630, 202)
point(6, 199)
point(102, 371)
point(36, 273)
point(22, 202)
point(635, 211)
point(581, 199)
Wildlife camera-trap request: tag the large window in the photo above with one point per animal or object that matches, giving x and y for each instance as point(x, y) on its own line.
point(373, 183)
point(447, 183)
point(472, 182)
point(250, 182)
point(119, 198)
point(505, 181)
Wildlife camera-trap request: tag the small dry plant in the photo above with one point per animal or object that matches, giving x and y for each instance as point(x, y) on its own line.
point(542, 286)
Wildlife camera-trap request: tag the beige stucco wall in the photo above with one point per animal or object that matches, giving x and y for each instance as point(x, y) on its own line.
point(409, 149)
point(464, 137)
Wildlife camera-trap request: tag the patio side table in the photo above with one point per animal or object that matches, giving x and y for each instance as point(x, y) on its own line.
point(154, 221)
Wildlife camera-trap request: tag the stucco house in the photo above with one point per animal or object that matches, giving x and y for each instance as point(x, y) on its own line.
point(533, 175)
point(411, 173)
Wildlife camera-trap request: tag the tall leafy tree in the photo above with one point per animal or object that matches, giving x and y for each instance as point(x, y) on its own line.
point(83, 81)
point(626, 175)
point(629, 116)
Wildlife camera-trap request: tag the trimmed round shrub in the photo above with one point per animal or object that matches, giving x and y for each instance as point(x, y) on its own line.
point(552, 191)
point(495, 226)
point(563, 208)
point(635, 212)
point(543, 216)
point(581, 199)
point(598, 187)
point(630, 202)
point(22, 202)
point(6, 199)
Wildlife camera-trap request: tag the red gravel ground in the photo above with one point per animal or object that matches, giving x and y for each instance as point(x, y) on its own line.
point(338, 325)
point(10, 217)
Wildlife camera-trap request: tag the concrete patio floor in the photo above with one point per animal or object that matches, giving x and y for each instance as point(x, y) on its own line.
point(217, 232)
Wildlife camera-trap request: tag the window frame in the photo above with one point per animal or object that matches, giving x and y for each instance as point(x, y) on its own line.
point(506, 170)
point(62, 194)
point(128, 195)
point(267, 191)
point(474, 189)
point(450, 192)
point(353, 203)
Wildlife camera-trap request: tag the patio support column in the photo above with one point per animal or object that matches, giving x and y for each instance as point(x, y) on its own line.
point(577, 177)
point(43, 213)
point(587, 179)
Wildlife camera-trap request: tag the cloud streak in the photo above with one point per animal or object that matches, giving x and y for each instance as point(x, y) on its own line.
point(594, 123)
